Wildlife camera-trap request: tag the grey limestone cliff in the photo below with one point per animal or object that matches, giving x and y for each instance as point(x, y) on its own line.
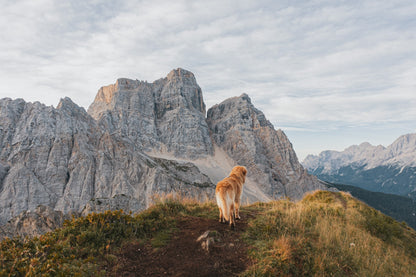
point(62, 158)
point(251, 140)
point(41, 147)
point(137, 140)
point(166, 115)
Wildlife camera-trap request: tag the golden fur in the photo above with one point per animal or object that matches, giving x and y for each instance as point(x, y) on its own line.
point(228, 195)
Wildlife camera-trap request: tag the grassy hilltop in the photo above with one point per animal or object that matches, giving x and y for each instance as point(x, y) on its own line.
point(324, 234)
point(399, 207)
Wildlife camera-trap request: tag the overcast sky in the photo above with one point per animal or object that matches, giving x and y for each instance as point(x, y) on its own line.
point(328, 73)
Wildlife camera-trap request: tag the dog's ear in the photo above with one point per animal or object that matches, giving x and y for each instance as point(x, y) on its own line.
point(244, 171)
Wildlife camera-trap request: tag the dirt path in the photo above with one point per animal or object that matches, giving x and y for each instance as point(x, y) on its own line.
point(184, 256)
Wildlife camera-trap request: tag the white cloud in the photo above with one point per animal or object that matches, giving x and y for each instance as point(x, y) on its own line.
point(306, 64)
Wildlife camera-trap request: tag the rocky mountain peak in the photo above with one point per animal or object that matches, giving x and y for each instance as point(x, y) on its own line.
point(404, 144)
point(67, 105)
point(365, 145)
point(181, 89)
point(167, 115)
point(245, 97)
point(139, 139)
point(240, 113)
point(401, 152)
point(180, 74)
point(250, 139)
point(178, 90)
point(66, 102)
point(106, 93)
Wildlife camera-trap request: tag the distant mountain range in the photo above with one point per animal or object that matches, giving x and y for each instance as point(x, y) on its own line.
point(389, 169)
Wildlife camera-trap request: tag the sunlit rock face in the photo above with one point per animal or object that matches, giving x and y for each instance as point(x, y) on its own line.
point(166, 115)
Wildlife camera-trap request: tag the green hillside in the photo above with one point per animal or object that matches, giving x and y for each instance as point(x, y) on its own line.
point(399, 207)
point(325, 234)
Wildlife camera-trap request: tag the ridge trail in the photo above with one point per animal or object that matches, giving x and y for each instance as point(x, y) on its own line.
point(184, 256)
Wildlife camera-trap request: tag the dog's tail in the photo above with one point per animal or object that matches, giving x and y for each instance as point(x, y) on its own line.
point(226, 203)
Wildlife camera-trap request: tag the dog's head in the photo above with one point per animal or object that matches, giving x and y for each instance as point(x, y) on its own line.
point(240, 171)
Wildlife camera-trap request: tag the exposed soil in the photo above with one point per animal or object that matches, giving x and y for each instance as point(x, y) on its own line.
point(184, 256)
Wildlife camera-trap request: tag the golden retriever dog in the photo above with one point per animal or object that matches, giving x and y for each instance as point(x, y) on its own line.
point(228, 195)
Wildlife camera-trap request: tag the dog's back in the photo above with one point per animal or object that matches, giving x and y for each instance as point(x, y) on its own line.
point(225, 195)
point(228, 195)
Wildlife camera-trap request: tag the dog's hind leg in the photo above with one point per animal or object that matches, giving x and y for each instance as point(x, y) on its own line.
point(232, 216)
point(237, 210)
point(222, 220)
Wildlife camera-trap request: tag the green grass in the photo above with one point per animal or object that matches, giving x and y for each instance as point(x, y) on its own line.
point(324, 234)
point(84, 245)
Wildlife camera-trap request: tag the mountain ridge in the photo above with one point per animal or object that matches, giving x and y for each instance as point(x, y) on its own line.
point(137, 139)
point(390, 169)
point(402, 152)
point(324, 234)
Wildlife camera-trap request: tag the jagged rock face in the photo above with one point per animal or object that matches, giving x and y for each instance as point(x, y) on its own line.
point(138, 140)
point(166, 115)
point(61, 158)
point(158, 177)
point(41, 147)
point(250, 139)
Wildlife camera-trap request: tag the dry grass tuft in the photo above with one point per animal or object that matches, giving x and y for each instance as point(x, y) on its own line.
point(329, 234)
